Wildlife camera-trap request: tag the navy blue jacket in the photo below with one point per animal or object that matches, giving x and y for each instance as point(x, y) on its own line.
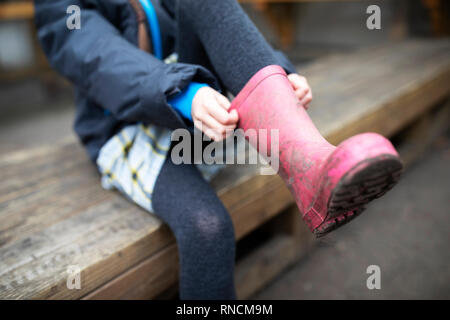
point(110, 72)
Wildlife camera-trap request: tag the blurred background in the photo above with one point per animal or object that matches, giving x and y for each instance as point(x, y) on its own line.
point(36, 107)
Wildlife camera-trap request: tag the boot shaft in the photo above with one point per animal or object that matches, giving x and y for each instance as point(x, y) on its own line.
point(268, 102)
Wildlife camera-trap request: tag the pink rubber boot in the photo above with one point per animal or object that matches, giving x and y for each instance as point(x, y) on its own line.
point(331, 185)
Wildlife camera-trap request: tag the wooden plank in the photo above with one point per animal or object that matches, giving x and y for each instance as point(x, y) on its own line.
point(144, 281)
point(53, 213)
point(101, 241)
point(379, 90)
point(152, 276)
point(420, 135)
point(125, 232)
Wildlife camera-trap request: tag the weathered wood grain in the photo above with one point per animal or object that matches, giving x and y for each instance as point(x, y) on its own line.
point(380, 89)
point(147, 280)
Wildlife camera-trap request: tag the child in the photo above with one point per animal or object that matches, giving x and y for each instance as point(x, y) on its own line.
point(129, 100)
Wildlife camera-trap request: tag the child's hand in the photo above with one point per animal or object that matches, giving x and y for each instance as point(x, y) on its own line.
point(210, 114)
point(302, 89)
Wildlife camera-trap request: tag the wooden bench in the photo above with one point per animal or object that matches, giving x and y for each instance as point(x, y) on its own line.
point(54, 214)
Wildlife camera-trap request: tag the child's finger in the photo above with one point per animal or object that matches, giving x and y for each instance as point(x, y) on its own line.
point(226, 104)
point(218, 128)
point(210, 122)
point(301, 92)
point(306, 100)
point(234, 116)
point(218, 113)
point(297, 81)
point(223, 101)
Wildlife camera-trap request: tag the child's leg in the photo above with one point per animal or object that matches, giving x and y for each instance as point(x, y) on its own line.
point(331, 185)
point(220, 35)
point(202, 228)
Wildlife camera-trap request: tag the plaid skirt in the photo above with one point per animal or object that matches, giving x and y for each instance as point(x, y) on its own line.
point(131, 160)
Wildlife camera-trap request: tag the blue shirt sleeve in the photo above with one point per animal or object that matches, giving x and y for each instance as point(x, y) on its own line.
point(182, 102)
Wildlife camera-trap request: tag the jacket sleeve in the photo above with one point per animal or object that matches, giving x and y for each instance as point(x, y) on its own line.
point(132, 84)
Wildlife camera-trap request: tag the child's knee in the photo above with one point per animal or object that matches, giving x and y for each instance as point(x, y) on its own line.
point(209, 225)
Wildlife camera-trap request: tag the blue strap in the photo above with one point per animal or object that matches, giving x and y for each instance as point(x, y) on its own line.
point(154, 27)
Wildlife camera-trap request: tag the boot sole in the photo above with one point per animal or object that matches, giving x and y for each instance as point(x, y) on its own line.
point(366, 181)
